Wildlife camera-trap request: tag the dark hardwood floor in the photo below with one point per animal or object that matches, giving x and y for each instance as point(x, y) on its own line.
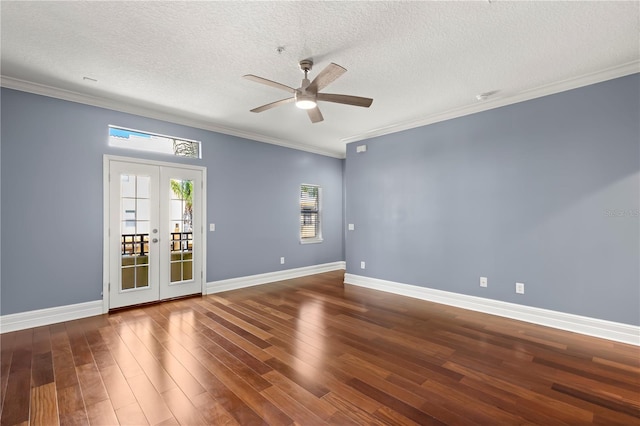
point(313, 351)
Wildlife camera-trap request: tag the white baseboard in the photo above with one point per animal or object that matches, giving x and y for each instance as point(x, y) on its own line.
point(610, 330)
point(40, 317)
point(269, 277)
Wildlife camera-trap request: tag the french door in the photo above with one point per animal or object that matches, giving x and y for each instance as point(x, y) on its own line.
point(155, 232)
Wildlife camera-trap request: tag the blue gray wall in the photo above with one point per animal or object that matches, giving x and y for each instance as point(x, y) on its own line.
point(52, 209)
point(544, 192)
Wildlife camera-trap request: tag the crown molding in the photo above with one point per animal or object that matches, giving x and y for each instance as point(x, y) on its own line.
point(121, 106)
point(548, 89)
point(116, 105)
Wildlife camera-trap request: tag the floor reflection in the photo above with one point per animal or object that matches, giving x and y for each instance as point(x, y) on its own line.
point(309, 338)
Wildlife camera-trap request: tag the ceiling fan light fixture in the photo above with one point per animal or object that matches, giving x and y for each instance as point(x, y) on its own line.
point(306, 96)
point(306, 104)
point(305, 101)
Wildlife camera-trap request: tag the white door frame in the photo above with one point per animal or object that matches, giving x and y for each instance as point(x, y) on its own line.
point(106, 216)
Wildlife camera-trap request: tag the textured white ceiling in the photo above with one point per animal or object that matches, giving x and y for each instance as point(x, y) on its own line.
point(419, 61)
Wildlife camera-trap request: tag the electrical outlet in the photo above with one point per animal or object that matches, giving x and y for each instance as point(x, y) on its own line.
point(351, 227)
point(212, 227)
point(483, 281)
point(362, 265)
point(520, 288)
point(282, 260)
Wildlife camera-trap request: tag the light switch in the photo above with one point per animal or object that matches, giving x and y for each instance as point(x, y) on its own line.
point(212, 227)
point(351, 227)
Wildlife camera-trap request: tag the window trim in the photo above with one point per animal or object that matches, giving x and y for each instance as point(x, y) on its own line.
point(318, 238)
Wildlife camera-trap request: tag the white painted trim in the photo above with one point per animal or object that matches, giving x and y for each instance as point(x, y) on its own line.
point(174, 117)
point(40, 317)
point(138, 160)
point(537, 92)
point(269, 277)
point(106, 159)
point(618, 332)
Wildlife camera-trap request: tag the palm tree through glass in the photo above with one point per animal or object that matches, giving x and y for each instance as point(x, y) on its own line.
point(182, 230)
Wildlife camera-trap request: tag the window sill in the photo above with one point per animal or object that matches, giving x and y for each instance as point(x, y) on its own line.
point(311, 241)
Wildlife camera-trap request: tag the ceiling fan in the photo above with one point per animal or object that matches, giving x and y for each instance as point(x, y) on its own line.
point(307, 95)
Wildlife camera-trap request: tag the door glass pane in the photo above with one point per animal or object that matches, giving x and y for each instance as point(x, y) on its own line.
point(142, 276)
point(142, 186)
point(134, 231)
point(128, 186)
point(181, 241)
point(128, 278)
point(142, 213)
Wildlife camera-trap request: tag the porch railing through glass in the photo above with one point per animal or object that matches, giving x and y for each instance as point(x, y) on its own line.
point(138, 244)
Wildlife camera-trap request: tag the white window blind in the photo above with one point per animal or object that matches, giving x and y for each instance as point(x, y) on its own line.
point(310, 230)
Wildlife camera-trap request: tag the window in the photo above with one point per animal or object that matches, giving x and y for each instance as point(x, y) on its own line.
point(133, 139)
point(310, 230)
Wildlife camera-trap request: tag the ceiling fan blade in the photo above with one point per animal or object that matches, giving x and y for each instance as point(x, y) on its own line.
point(326, 77)
point(345, 99)
point(315, 115)
point(269, 83)
point(273, 105)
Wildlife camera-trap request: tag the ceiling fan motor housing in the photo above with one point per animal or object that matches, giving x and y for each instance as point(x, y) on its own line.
point(306, 65)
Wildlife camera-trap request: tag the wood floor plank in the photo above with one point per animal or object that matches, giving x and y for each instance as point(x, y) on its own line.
point(156, 374)
point(349, 413)
point(309, 351)
point(151, 402)
point(75, 418)
point(117, 388)
point(42, 369)
point(292, 408)
point(303, 375)
point(250, 395)
point(17, 398)
point(212, 411)
point(101, 413)
point(394, 403)
point(121, 353)
point(6, 353)
point(231, 402)
point(228, 362)
point(317, 406)
point(621, 406)
point(79, 345)
point(556, 408)
point(182, 408)
point(390, 416)
point(131, 415)
point(41, 340)
point(174, 368)
point(71, 407)
point(91, 384)
point(44, 405)
point(99, 349)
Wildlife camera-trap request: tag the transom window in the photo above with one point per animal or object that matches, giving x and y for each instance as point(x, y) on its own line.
point(310, 219)
point(144, 141)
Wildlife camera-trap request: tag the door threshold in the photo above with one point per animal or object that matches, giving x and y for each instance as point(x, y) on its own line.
point(154, 302)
